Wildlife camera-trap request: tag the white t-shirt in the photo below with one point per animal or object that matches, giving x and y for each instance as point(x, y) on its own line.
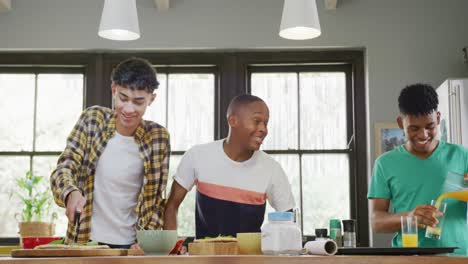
point(238, 190)
point(117, 184)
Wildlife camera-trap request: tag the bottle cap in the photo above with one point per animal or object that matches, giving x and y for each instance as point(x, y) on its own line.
point(348, 225)
point(321, 232)
point(335, 223)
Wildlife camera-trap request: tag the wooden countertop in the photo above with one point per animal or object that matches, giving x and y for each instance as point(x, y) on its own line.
point(243, 260)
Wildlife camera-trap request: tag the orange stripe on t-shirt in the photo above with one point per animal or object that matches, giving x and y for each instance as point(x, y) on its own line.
point(231, 194)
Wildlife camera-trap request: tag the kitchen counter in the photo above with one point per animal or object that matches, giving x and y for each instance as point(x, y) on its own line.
point(243, 260)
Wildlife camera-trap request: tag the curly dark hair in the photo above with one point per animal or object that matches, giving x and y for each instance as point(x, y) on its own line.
point(418, 99)
point(135, 74)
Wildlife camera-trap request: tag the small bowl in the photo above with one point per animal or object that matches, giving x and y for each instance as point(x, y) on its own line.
point(250, 243)
point(32, 242)
point(157, 242)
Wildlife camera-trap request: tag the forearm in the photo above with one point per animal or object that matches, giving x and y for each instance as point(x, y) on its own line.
point(384, 222)
point(170, 218)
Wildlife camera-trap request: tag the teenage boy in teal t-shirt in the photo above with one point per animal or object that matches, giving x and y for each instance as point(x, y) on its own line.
point(413, 174)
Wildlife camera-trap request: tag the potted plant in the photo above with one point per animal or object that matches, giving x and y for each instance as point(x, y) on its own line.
point(36, 198)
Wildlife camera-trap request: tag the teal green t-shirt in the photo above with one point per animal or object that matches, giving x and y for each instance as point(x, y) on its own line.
point(409, 181)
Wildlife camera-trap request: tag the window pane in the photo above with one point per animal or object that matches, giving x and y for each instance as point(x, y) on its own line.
point(17, 99)
point(290, 165)
point(279, 91)
point(10, 168)
point(43, 166)
point(325, 188)
point(191, 109)
point(157, 110)
point(59, 104)
point(323, 110)
point(186, 214)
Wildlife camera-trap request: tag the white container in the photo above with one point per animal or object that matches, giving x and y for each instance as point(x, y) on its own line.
point(281, 236)
point(326, 247)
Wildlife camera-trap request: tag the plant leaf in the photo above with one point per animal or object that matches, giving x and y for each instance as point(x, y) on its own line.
point(36, 179)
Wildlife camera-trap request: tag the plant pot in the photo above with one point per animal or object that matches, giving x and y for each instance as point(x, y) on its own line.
point(32, 242)
point(36, 229)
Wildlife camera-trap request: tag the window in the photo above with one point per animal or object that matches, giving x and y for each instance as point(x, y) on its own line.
point(308, 136)
point(185, 105)
point(39, 109)
point(317, 128)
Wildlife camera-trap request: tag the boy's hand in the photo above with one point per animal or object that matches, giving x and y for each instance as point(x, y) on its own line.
point(75, 202)
point(135, 246)
point(427, 215)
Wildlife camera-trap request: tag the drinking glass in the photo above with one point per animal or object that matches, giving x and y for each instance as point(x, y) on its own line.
point(409, 231)
point(436, 232)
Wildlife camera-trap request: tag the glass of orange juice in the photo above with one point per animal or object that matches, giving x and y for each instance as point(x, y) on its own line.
point(409, 231)
point(436, 232)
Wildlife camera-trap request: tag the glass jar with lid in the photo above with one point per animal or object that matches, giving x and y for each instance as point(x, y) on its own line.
point(281, 236)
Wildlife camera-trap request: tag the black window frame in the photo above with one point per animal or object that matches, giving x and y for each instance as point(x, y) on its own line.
point(358, 144)
point(36, 71)
point(297, 69)
point(231, 79)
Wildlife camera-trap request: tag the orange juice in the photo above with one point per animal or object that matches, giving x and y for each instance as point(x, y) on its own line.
point(435, 232)
point(410, 240)
point(461, 195)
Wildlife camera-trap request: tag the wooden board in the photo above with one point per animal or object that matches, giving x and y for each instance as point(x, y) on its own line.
point(40, 253)
point(214, 248)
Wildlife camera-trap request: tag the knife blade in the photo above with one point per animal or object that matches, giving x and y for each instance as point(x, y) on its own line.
point(77, 225)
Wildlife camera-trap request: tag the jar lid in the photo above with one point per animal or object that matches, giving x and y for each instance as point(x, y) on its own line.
point(321, 232)
point(348, 225)
point(280, 216)
point(335, 223)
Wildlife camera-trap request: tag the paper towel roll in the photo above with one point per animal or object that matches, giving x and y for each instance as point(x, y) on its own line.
point(321, 247)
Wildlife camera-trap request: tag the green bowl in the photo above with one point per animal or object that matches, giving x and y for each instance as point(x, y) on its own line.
point(157, 242)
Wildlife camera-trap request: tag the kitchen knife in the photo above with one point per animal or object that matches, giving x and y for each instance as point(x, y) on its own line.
point(77, 225)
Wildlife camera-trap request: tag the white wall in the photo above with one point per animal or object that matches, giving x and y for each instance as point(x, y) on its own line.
point(406, 41)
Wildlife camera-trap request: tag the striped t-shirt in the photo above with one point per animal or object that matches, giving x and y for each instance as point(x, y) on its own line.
point(231, 196)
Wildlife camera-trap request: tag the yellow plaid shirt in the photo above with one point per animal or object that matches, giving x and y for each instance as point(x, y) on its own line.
point(76, 167)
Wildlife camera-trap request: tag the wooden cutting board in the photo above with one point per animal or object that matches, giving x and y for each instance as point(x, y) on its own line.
point(40, 253)
point(214, 248)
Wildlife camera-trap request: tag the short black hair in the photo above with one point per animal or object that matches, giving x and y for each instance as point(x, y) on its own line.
point(418, 100)
point(135, 74)
point(241, 100)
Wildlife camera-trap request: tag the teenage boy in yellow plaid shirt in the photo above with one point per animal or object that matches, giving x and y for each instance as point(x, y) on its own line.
point(115, 165)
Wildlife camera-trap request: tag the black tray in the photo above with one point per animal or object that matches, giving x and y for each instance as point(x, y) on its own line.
point(394, 251)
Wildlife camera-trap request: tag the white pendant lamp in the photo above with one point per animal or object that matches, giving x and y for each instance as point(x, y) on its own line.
point(119, 20)
point(300, 20)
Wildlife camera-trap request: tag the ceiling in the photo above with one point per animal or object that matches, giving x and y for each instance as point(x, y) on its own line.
point(162, 5)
